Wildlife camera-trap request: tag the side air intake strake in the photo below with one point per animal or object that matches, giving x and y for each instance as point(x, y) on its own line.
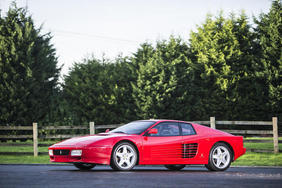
point(190, 150)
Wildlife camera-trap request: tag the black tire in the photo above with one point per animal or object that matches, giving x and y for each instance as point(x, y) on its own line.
point(208, 167)
point(120, 154)
point(84, 166)
point(174, 167)
point(220, 157)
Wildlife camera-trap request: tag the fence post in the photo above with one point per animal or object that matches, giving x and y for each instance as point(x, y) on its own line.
point(92, 127)
point(275, 134)
point(35, 139)
point(212, 122)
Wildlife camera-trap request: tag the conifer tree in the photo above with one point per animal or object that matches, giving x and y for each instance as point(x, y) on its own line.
point(160, 90)
point(268, 31)
point(28, 69)
point(225, 67)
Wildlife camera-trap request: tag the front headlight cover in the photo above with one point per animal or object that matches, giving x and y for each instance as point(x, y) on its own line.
point(51, 152)
point(76, 153)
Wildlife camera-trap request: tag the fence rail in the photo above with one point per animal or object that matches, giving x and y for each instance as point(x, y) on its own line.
point(61, 136)
point(15, 128)
point(92, 128)
point(64, 128)
point(250, 132)
point(244, 122)
point(15, 137)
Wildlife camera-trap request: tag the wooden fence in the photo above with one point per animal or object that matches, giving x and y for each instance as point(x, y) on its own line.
point(272, 124)
point(92, 128)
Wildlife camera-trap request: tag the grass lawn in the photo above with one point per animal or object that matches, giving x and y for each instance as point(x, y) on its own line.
point(267, 146)
point(20, 148)
point(259, 159)
point(24, 159)
point(249, 159)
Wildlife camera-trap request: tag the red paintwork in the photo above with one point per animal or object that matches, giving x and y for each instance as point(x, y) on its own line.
point(152, 150)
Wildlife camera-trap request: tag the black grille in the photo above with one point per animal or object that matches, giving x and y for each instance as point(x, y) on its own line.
point(190, 150)
point(61, 152)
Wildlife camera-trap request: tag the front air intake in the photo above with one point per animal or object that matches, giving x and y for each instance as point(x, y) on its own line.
point(61, 152)
point(190, 150)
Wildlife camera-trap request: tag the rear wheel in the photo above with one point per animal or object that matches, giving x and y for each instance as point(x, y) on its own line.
point(219, 158)
point(124, 156)
point(174, 167)
point(84, 166)
point(208, 167)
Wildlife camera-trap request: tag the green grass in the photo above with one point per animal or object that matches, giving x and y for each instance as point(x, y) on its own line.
point(266, 146)
point(21, 149)
point(259, 159)
point(249, 159)
point(24, 159)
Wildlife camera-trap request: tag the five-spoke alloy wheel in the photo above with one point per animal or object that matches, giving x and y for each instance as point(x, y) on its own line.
point(220, 157)
point(124, 156)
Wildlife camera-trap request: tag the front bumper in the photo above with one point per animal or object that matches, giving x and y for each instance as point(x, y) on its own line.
point(96, 155)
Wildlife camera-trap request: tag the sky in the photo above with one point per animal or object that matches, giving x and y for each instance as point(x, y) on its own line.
point(82, 28)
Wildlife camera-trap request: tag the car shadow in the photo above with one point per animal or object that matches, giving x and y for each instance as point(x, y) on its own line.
point(142, 170)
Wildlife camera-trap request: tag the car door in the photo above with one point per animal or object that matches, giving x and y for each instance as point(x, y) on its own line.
point(165, 147)
point(190, 143)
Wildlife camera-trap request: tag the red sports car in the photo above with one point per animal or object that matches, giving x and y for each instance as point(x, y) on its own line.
point(152, 142)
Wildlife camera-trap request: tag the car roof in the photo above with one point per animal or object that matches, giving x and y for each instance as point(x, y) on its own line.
point(162, 120)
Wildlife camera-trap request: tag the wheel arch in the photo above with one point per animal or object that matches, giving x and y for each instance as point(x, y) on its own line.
point(229, 146)
point(129, 141)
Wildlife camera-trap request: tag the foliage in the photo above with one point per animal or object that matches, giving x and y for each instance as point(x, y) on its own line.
point(100, 91)
point(230, 69)
point(226, 70)
point(268, 31)
point(28, 67)
point(161, 87)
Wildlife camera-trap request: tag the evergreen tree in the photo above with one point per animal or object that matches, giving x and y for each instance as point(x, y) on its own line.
point(224, 52)
point(100, 91)
point(122, 76)
point(269, 41)
point(28, 69)
point(212, 45)
point(161, 89)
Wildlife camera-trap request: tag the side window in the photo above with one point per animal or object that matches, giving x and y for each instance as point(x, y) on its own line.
point(187, 129)
point(167, 129)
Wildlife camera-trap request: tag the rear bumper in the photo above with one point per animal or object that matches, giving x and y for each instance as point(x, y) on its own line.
point(96, 155)
point(240, 153)
point(244, 151)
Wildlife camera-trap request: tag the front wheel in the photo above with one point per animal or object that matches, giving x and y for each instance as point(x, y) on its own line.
point(219, 158)
point(174, 167)
point(124, 156)
point(84, 166)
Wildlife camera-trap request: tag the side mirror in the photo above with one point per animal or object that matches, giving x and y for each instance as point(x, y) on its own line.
point(107, 130)
point(153, 131)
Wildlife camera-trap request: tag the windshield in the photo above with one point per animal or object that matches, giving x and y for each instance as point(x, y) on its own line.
point(135, 127)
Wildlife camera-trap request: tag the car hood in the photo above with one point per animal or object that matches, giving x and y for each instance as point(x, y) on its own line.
point(85, 140)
